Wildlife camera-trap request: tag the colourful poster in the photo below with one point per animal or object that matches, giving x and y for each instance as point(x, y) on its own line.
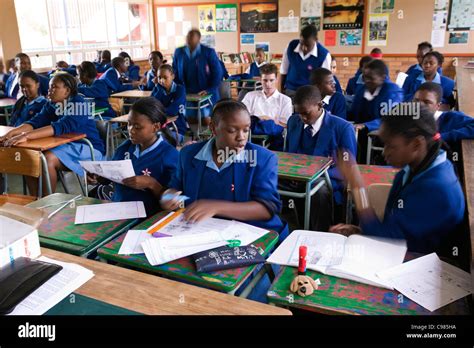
point(207, 19)
point(330, 38)
point(259, 17)
point(378, 30)
point(350, 37)
point(226, 17)
point(343, 14)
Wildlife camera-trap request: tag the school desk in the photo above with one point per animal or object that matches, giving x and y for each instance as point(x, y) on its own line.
point(184, 269)
point(202, 101)
point(16, 199)
point(134, 93)
point(147, 294)
point(370, 145)
point(307, 169)
point(342, 296)
point(98, 112)
point(6, 104)
point(60, 232)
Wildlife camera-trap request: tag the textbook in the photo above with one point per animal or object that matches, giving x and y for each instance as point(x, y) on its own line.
point(357, 257)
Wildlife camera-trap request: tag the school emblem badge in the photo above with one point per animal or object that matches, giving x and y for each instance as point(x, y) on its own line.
point(146, 172)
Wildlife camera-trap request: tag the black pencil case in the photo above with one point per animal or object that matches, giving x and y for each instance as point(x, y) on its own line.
point(226, 258)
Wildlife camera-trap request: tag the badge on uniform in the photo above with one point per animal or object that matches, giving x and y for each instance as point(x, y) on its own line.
point(310, 67)
point(146, 172)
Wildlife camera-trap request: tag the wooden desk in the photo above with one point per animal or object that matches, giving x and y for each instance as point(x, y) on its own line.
point(342, 296)
point(7, 104)
point(305, 168)
point(148, 294)
point(16, 199)
point(184, 269)
point(60, 232)
point(134, 93)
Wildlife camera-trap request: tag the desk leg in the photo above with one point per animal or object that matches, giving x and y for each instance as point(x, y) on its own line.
point(307, 205)
point(44, 165)
point(369, 149)
point(199, 120)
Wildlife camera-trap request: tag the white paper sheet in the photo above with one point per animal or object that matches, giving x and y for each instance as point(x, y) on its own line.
point(288, 24)
point(70, 278)
point(428, 281)
point(132, 242)
point(401, 77)
point(115, 171)
point(437, 37)
point(109, 212)
point(179, 227)
point(12, 230)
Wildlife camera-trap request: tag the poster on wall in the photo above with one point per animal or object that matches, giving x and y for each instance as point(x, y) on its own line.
point(288, 24)
point(209, 40)
point(461, 15)
point(330, 37)
point(458, 37)
point(264, 45)
point(378, 30)
point(259, 17)
point(382, 6)
point(207, 19)
point(350, 37)
point(247, 39)
point(226, 17)
point(316, 21)
point(343, 14)
point(311, 8)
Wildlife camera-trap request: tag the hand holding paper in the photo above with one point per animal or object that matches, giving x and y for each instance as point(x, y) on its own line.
point(115, 171)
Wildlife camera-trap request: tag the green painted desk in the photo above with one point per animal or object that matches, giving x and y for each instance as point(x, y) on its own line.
point(6, 104)
point(60, 232)
point(184, 269)
point(98, 112)
point(304, 168)
point(343, 296)
point(202, 102)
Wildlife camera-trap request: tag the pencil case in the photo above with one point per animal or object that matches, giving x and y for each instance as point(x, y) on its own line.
point(225, 258)
point(20, 278)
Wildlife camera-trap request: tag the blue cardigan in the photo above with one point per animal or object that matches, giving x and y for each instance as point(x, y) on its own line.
point(113, 82)
point(454, 126)
point(174, 103)
point(133, 72)
point(251, 182)
point(99, 91)
point(414, 81)
point(337, 105)
point(433, 207)
point(23, 112)
point(209, 71)
point(44, 86)
point(69, 123)
point(369, 112)
point(335, 133)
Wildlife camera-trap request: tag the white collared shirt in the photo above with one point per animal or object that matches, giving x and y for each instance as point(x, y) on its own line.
point(437, 114)
point(285, 63)
point(326, 99)
point(317, 124)
point(16, 81)
point(119, 75)
point(277, 106)
point(370, 96)
point(258, 66)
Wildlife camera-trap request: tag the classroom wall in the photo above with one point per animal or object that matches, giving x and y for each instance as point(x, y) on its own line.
point(9, 34)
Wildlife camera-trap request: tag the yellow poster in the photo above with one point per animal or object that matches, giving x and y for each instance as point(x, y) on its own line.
point(207, 19)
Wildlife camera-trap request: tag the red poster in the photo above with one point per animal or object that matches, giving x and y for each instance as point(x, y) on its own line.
point(330, 38)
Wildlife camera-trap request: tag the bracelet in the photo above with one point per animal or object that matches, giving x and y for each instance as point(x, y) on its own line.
point(361, 198)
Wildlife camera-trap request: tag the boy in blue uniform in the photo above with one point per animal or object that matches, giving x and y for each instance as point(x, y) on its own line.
point(173, 98)
point(300, 58)
point(426, 203)
point(31, 102)
point(316, 132)
point(357, 80)
point(104, 61)
point(133, 71)
point(12, 86)
point(333, 101)
point(197, 68)
point(66, 112)
point(227, 176)
point(431, 62)
point(155, 58)
point(423, 48)
point(113, 77)
point(91, 87)
point(254, 69)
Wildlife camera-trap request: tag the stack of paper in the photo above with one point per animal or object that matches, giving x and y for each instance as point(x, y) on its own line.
point(52, 292)
point(115, 171)
point(109, 212)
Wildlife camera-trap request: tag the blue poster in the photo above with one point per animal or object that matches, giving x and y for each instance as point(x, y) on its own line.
point(247, 39)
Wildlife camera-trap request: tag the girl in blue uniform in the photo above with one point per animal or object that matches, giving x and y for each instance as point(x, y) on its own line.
point(31, 102)
point(104, 61)
point(423, 48)
point(431, 62)
point(357, 80)
point(227, 176)
point(151, 148)
point(90, 87)
point(114, 79)
point(333, 101)
point(425, 205)
point(316, 132)
point(155, 58)
point(173, 98)
point(66, 112)
point(133, 70)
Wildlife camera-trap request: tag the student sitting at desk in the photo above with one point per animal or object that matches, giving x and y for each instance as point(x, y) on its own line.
point(155, 58)
point(425, 205)
point(271, 108)
point(91, 87)
point(227, 176)
point(12, 86)
point(173, 98)
point(316, 132)
point(151, 148)
point(431, 62)
point(333, 101)
point(254, 69)
point(31, 102)
point(104, 61)
point(133, 70)
point(357, 80)
point(66, 112)
point(452, 125)
point(334, 71)
point(423, 48)
point(113, 77)
point(62, 66)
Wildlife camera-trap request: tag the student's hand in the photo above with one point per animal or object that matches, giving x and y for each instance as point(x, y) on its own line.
point(359, 126)
point(201, 210)
point(345, 229)
point(347, 165)
point(17, 139)
point(202, 93)
point(140, 182)
point(9, 135)
point(170, 204)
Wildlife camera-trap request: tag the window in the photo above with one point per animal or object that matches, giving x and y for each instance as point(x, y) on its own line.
point(74, 30)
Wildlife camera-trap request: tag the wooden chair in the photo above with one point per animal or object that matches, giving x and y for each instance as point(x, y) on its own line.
point(378, 195)
point(20, 162)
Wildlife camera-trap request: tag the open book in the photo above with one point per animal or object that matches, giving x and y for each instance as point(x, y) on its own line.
point(356, 257)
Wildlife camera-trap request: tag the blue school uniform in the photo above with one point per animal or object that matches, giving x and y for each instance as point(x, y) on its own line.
point(133, 72)
point(113, 82)
point(225, 73)
point(416, 69)
point(150, 75)
point(454, 126)
point(199, 71)
point(299, 70)
point(102, 67)
point(158, 161)
point(71, 70)
point(12, 90)
point(24, 111)
point(353, 83)
point(336, 105)
point(99, 91)
point(335, 133)
point(247, 178)
point(174, 103)
point(338, 84)
point(369, 112)
point(71, 120)
point(3, 80)
point(433, 207)
point(254, 69)
point(414, 81)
